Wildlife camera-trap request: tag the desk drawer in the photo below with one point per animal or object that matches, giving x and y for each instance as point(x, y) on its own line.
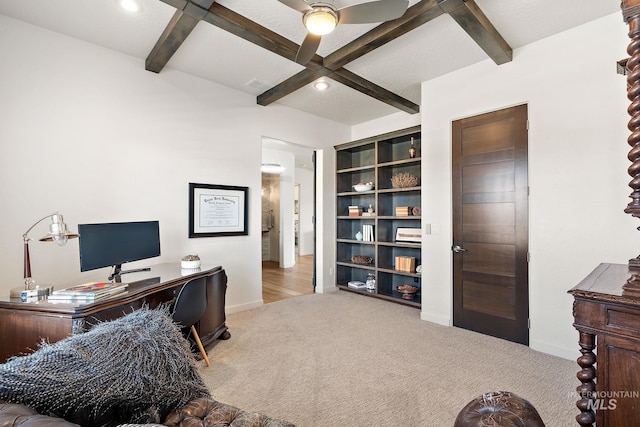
point(624, 321)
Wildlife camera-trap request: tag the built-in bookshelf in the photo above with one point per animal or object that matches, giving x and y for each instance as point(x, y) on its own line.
point(394, 247)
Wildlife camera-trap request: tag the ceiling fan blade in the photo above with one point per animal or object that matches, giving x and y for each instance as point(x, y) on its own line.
point(375, 11)
point(298, 5)
point(308, 48)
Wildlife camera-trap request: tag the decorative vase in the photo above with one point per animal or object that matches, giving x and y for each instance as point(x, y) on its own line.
point(359, 235)
point(412, 150)
point(190, 264)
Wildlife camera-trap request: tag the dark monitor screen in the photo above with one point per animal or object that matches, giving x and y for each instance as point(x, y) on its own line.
point(113, 244)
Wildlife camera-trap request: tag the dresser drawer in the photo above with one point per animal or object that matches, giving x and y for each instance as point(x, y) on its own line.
point(623, 320)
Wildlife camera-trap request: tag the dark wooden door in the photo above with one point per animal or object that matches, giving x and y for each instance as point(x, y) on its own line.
point(490, 224)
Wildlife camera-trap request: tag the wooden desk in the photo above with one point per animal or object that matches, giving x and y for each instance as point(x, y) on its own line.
point(608, 318)
point(24, 324)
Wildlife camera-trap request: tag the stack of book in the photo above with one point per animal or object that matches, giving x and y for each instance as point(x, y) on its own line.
point(355, 211)
point(406, 263)
point(87, 292)
point(402, 210)
point(367, 233)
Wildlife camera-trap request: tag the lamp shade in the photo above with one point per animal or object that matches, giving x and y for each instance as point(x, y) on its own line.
point(58, 231)
point(320, 20)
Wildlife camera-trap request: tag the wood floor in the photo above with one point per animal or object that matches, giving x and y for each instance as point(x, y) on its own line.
point(281, 283)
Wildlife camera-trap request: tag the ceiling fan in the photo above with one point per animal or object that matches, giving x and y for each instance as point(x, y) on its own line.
point(321, 18)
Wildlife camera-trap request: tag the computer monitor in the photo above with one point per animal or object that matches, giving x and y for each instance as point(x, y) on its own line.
point(113, 244)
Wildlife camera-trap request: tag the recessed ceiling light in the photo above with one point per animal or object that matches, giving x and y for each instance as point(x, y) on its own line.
point(321, 85)
point(131, 6)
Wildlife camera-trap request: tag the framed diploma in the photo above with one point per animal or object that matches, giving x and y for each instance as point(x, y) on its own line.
point(218, 210)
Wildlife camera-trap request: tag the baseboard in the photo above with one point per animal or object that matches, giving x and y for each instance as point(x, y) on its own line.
point(242, 307)
point(332, 288)
point(565, 353)
point(440, 320)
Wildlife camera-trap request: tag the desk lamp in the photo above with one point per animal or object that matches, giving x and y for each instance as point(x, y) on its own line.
point(57, 233)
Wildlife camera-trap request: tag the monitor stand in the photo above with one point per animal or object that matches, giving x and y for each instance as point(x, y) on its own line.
point(116, 272)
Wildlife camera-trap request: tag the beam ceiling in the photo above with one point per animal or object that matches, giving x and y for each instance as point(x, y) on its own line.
point(189, 12)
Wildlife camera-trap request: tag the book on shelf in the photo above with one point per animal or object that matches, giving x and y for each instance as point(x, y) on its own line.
point(367, 233)
point(402, 211)
point(405, 263)
point(356, 284)
point(355, 211)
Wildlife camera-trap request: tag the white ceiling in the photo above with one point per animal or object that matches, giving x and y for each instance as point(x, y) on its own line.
point(434, 49)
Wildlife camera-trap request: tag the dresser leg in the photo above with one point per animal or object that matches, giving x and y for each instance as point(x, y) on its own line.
point(586, 375)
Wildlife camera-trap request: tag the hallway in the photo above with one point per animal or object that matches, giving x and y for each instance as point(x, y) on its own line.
point(282, 283)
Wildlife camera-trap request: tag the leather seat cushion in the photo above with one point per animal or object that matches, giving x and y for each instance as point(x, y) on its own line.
point(208, 412)
point(499, 409)
point(16, 415)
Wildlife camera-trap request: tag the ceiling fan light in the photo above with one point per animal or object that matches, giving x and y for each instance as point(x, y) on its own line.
point(320, 20)
point(272, 168)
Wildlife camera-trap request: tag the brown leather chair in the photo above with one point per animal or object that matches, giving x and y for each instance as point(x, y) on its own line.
point(14, 415)
point(499, 409)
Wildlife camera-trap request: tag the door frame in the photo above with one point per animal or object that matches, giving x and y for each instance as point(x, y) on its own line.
point(313, 152)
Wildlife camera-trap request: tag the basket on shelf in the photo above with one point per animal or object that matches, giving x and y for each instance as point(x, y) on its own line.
point(361, 259)
point(407, 291)
point(404, 180)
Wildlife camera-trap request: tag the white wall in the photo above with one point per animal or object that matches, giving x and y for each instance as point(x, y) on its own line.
point(326, 221)
point(287, 220)
point(577, 168)
point(304, 177)
point(86, 131)
point(393, 122)
point(268, 219)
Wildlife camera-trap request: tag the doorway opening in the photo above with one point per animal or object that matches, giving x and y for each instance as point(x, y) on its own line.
point(288, 229)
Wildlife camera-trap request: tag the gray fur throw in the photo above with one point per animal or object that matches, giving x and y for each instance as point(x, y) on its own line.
point(135, 369)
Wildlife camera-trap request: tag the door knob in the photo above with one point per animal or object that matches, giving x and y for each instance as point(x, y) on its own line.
point(458, 248)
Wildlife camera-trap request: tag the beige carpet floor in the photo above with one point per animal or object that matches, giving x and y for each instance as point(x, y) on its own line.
point(341, 359)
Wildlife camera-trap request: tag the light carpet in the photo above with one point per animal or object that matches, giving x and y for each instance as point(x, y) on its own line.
point(344, 359)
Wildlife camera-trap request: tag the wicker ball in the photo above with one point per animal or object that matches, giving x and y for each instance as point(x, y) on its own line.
point(361, 259)
point(404, 180)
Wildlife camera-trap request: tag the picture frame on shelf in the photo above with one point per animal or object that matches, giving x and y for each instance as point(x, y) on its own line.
point(218, 210)
point(410, 235)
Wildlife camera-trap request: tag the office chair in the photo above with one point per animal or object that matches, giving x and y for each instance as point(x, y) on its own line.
point(189, 308)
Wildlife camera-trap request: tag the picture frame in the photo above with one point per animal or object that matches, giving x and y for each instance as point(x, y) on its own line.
point(218, 210)
point(411, 235)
